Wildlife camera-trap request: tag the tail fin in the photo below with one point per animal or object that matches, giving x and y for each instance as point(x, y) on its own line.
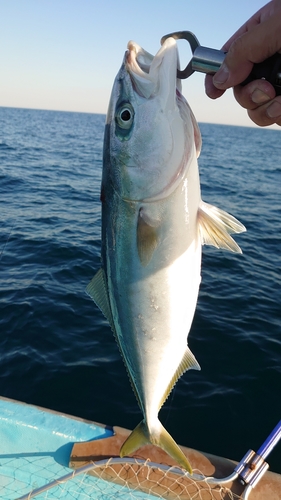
point(141, 436)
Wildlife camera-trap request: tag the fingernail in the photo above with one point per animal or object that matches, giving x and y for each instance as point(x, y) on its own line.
point(221, 76)
point(274, 110)
point(259, 97)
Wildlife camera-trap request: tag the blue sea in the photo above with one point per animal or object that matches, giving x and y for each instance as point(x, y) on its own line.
point(57, 350)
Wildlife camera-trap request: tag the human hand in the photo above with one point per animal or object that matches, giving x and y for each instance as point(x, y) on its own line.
point(258, 39)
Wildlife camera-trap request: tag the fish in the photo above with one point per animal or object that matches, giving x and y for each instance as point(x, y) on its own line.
point(154, 224)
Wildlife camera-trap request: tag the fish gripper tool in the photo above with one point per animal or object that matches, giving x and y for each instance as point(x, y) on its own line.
point(208, 61)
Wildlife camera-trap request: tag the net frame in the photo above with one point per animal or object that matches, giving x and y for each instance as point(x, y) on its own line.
point(135, 476)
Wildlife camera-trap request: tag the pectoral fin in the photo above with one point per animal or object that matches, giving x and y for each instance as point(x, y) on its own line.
point(215, 227)
point(147, 239)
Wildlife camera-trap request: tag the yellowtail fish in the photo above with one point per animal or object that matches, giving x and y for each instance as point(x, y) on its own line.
point(154, 224)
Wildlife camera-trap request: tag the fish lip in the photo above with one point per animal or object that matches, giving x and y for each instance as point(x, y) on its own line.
point(143, 67)
point(138, 60)
point(137, 63)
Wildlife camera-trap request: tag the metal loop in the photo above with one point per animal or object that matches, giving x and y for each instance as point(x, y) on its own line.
point(193, 42)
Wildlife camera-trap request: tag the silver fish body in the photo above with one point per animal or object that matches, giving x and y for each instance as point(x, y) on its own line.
point(153, 226)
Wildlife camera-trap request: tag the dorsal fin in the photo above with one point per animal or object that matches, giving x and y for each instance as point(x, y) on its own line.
point(97, 290)
point(215, 227)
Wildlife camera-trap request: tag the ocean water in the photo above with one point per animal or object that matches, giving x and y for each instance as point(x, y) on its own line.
point(57, 350)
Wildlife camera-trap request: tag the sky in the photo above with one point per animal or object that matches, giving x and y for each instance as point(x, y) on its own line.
point(64, 54)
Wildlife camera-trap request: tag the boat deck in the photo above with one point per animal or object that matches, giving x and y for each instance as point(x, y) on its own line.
point(38, 446)
point(35, 447)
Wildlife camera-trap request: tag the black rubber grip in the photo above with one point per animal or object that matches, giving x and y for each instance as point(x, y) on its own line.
point(270, 70)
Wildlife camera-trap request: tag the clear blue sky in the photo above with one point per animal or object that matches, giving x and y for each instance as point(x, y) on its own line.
point(64, 54)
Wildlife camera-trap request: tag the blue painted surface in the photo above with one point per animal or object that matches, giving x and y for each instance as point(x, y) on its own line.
point(52, 429)
point(35, 446)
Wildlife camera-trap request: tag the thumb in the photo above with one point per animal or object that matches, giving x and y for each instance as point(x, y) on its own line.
point(254, 46)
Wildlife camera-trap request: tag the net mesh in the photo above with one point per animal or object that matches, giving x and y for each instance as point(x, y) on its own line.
point(132, 480)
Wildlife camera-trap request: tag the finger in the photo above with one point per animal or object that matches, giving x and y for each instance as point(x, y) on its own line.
point(254, 94)
point(210, 89)
point(267, 114)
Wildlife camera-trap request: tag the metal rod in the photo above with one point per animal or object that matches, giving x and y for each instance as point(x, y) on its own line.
point(207, 60)
point(270, 442)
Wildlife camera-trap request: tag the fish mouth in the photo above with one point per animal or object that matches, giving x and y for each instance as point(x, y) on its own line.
point(138, 64)
point(139, 59)
point(143, 67)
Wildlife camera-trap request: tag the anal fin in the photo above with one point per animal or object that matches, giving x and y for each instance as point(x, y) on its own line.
point(188, 362)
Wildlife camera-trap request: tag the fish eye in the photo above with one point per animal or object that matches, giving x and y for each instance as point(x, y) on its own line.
point(125, 116)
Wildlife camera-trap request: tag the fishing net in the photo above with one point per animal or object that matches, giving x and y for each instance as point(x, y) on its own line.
point(132, 479)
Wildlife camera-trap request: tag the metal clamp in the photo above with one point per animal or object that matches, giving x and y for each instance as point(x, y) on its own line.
point(208, 61)
point(253, 466)
point(204, 60)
